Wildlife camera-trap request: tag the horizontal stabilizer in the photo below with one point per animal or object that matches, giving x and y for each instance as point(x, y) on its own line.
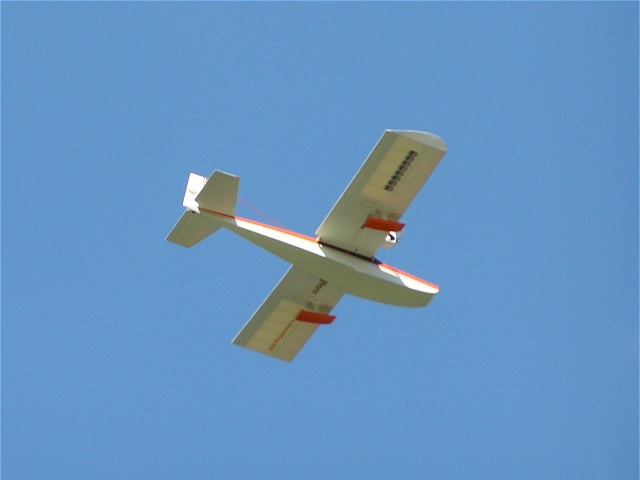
point(191, 228)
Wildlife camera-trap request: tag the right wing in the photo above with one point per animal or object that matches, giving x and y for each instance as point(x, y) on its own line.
point(381, 191)
point(290, 315)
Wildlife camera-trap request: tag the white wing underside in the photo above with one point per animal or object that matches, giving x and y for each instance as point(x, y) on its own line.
point(273, 328)
point(385, 185)
point(383, 188)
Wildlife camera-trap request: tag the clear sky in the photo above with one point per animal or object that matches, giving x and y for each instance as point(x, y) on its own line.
point(116, 353)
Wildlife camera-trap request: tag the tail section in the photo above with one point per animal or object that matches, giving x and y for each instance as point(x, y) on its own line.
point(195, 184)
point(191, 228)
point(218, 194)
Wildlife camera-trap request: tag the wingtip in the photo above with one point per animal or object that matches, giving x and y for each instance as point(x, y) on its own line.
point(426, 138)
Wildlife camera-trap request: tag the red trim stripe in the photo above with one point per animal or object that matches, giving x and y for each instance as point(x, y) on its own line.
point(381, 224)
point(270, 227)
point(278, 229)
point(397, 270)
point(314, 317)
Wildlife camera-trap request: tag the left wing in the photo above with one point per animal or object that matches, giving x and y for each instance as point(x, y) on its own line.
point(381, 191)
point(290, 315)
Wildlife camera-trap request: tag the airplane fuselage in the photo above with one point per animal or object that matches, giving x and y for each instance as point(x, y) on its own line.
point(353, 274)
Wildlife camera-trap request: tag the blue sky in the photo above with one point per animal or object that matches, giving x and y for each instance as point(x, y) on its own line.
point(116, 353)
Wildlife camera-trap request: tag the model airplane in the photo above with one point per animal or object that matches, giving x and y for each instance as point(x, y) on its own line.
point(340, 259)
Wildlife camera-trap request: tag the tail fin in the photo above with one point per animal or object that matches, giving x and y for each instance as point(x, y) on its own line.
point(219, 194)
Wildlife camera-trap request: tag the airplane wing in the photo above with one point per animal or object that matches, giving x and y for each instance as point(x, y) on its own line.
point(381, 191)
point(291, 313)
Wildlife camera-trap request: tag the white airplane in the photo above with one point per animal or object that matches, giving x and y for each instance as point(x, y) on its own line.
point(340, 259)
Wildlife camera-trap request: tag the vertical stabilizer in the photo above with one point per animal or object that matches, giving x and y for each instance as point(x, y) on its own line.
point(218, 194)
